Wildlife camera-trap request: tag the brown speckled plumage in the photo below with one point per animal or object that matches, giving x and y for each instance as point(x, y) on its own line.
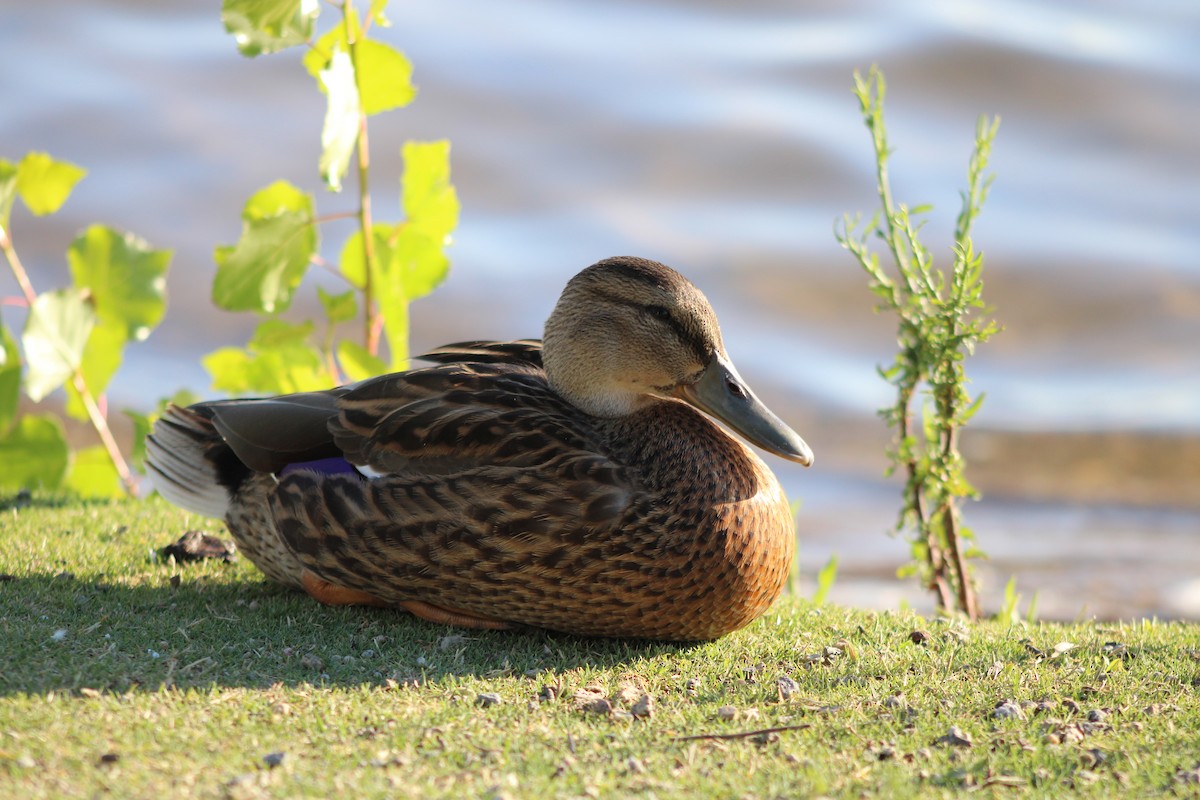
point(493, 496)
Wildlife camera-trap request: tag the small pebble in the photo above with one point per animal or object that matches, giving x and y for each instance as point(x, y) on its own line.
point(918, 637)
point(599, 706)
point(273, 760)
point(312, 661)
point(488, 699)
point(727, 712)
point(1007, 710)
point(644, 707)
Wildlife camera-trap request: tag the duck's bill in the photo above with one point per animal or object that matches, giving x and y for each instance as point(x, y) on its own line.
point(720, 391)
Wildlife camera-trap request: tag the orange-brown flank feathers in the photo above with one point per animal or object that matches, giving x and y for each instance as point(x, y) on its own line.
point(497, 492)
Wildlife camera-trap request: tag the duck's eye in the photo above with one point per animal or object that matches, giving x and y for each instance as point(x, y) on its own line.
point(661, 312)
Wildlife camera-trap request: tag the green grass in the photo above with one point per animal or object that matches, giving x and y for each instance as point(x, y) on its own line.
point(116, 679)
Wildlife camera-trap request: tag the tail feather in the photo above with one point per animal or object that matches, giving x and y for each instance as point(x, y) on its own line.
point(191, 465)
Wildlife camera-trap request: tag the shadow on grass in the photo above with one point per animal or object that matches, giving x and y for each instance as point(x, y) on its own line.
point(65, 634)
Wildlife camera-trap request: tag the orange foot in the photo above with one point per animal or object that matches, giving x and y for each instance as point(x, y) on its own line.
point(333, 595)
point(445, 616)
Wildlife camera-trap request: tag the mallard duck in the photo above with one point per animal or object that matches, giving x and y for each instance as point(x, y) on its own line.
point(573, 484)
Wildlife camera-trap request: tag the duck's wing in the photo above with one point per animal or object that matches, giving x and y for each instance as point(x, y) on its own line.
point(518, 351)
point(489, 491)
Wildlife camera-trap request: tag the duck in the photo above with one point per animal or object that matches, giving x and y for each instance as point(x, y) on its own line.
point(591, 483)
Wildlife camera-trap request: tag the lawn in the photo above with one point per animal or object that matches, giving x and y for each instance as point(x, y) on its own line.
point(124, 673)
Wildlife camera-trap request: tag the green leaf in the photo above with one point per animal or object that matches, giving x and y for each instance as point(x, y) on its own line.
point(825, 580)
point(430, 201)
point(353, 261)
point(45, 184)
point(357, 362)
point(376, 13)
point(102, 357)
point(340, 131)
point(384, 77)
point(278, 240)
point(10, 379)
point(230, 370)
point(384, 74)
point(267, 26)
point(56, 332)
point(34, 454)
point(93, 474)
point(277, 360)
point(8, 193)
point(125, 276)
point(338, 307)
point(141, 428)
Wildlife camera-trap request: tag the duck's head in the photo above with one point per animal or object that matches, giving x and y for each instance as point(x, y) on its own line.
point(627, 332)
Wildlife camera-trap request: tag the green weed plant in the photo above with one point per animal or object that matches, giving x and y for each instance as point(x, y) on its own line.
point(941, 317)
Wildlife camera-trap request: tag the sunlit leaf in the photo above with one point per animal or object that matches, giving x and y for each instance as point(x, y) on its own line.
point(34, 454)
point(10, 379)
point(126, 278)
point(278, 333)
point(267, 26)
point(376, 13)
point(384, 76)
point(8, 191)
point(418, 262)
point(93, 474)
point(340, 131)
point(353, 260)
point(56, 332)
point(338, 307)
point(102, 357)
point(825, 580)
point(277, 360)
point(141, 427)
point(430, 201)
point(45, 184)
point(261, 272)
point(357, 362)
point(230, 370)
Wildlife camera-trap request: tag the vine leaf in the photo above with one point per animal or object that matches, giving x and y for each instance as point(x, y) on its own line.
point(357, 362)
point(384, 75)
point(10, 379)
point(93, 474)
point(261, 272)
point(340, 131)
point(268, 26)
point(8, 191)
point(56, 332)
point(34, 453)
point(338, 307)
point(125, 276)
point(125, 279)
point(277, 360)
point(45, 184)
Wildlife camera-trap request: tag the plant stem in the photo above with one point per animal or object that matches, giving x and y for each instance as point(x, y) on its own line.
point(95, 415)
point(370, 327)
point(18, 270)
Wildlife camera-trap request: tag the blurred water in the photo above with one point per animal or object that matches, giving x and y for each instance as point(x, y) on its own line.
point(720, 138)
